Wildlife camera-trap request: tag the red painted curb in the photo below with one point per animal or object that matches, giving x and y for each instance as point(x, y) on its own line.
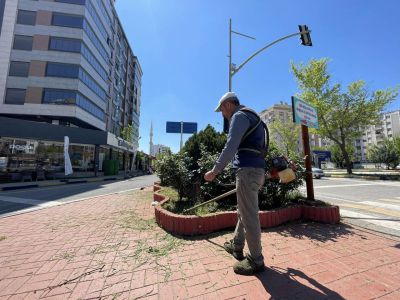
point(194, 225)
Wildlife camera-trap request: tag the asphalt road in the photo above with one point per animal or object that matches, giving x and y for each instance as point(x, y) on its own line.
point(17, 201)
point(372, 204)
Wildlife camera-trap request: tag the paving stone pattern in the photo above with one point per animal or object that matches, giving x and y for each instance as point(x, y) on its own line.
point(110, 248)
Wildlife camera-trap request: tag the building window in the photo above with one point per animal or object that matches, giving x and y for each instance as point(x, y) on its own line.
point(68, 97)
point(2, 5)
point(15, 96)
point(26, 17)
point(23, 42)
point(62, 70)
point(79, 2)
point(95, 40)
point(75, 45)
point(96, 19)
point(92, 84)
point(19, 68)
point(65, 44)
point(65, 20)
point(74, 71)
point(51, 96)
point(94, 62)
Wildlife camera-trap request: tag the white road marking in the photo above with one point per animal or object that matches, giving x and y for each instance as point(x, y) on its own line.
point(341, 185)
point(388, 223)
point(387, 200)
point(382, 205)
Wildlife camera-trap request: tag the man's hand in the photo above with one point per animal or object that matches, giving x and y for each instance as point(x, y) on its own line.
point(209, 176)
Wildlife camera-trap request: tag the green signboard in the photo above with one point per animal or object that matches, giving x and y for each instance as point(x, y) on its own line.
point(304, 113)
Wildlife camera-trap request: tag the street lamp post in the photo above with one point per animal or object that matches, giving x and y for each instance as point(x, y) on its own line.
point(304, 33)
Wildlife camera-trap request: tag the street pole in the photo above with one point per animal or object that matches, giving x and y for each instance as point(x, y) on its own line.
point(225, 123)
point(233, 70)
point(181, 134)
point(306, 147)
point(230, 56)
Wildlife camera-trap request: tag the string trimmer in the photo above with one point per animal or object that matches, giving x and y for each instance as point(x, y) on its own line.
point(212, 200)
point(282, 168)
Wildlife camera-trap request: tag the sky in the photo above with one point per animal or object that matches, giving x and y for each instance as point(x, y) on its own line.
point(183, 46)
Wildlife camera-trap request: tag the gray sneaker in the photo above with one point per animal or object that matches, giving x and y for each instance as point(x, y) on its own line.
point(248, 267)
point(230, 248)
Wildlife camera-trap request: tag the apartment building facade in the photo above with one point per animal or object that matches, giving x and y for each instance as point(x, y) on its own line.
point(66, 69)
point(389, 128)
point(282, 111)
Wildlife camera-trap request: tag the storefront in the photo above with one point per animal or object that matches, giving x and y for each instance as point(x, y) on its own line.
point(35, 151)
point(38, 159)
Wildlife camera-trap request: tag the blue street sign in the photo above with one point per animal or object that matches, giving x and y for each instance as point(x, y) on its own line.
point(189, 127)
point(175, 127)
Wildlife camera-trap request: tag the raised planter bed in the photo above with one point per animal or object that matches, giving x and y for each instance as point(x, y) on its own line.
point(195, 225)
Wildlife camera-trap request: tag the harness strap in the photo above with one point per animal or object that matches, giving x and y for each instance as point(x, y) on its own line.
point(251, 130)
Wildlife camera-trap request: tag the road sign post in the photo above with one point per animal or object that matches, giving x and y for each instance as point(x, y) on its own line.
point(181, 127)
point(306, 115)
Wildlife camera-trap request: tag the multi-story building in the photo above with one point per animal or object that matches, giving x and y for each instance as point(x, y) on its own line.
point(389, 128)
point(66, 69)
point(159, 148)
point(283, 113)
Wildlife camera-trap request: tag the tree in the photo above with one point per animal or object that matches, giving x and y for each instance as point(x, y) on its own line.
point(286, 135)
point(337, 155)
point(212, 140)
point(342, 115)
point(126, 133)
point(385, 153)
point(396, 142)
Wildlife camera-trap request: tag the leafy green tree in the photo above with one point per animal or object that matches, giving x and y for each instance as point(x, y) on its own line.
point(342, 115)
point(337, 155)
point(286, 135)
point(212, 140)
point(396, 142)
point(384, 153)
point(126, 133)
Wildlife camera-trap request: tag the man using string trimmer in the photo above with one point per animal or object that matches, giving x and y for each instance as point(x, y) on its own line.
point(247, 144)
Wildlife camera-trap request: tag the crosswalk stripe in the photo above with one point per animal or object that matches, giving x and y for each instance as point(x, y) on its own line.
point(392, 224)
point(386, 200)
point(372, 209)
point(341, 185)
point(382, 205)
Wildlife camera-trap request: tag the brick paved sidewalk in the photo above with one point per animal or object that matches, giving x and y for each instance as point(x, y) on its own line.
point(110, 248)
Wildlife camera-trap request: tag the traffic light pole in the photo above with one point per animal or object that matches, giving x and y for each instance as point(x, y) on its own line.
point(181, 135)
point(233, 70)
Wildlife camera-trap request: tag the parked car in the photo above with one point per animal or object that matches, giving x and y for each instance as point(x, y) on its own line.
point(317, 173)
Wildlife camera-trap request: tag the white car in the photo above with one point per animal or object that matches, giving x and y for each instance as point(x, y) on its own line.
point(317, 173)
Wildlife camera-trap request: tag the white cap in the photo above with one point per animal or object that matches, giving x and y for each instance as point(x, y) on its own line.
point(226, 97)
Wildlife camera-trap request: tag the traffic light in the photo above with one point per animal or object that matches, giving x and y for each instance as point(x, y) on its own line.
point(305, 35)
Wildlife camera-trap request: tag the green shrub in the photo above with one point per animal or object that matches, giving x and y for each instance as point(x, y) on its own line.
point(173, 170)
point(212, 141)
point(183, 173)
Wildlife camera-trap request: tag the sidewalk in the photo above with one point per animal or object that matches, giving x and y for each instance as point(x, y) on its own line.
point(110, 248)
point(72, 180)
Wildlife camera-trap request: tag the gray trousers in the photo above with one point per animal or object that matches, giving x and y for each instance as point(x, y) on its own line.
point(248, 183)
